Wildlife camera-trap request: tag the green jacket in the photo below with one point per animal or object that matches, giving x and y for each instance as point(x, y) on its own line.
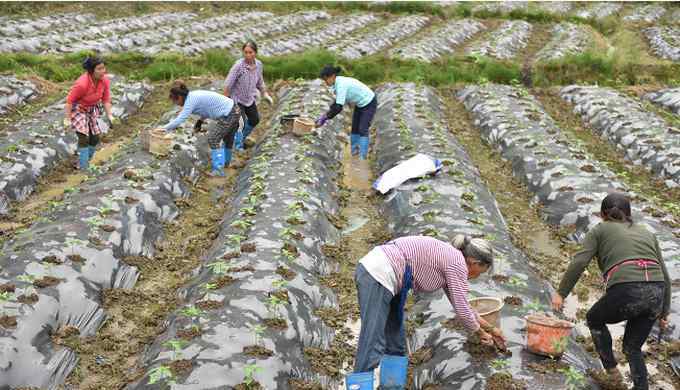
point(613, 243)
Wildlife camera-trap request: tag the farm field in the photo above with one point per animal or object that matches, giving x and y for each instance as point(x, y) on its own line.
point(145, 273)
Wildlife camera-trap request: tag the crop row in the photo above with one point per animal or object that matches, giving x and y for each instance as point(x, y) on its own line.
point(376, 40)
point(316, 36)
point(440, 42)
point(644, 137)
point(505, 42)
point(668, 98)
point(665, 41)
point(250, 314)
point(564, 179)
point(65, 40)
point(32, 147)
point(14, 92)
point(56, 272)
point(456, 201)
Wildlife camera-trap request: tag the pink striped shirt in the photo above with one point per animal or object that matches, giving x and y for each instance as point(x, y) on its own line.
point(243, 80)
point(435, 264)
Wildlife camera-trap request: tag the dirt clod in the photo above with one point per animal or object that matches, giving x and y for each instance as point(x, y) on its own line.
point(223, 280)
point(7, 288)
point(504, 381)
point(299, 384)
point(513, 300)
point(275, 323)
point(52, 259)
point(76, 258)
point(257, 351)
point(248, 247)
point(548, 366)
point(209, 305)
point(286, 273)
point(8, 321)
point(498, 278)
point(252, 386)
point(189, 334)
point(28, 299)
point(231, 255)
point(46, 281)
point(181, 367)
point(108, 228)
point(605, 381)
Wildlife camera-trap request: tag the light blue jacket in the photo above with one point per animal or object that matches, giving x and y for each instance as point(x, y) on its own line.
point(350, 90)
point(206, 104)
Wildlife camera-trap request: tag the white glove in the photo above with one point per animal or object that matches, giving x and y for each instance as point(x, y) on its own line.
point(269, 99)
point(67, 123)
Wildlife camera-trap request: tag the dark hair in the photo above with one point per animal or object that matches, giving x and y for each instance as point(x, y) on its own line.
point(616, 207)
point(91, 62)
point(250, 44)
point(329, 70)
point(179, 89)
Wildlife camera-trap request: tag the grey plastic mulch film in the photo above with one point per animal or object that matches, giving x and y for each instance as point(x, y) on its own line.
point(665, 41)
point(667, 98)
point(599, 10)
point(505, 42)
point(280, 204)
point(317, 36)
point(83, 241)
point(15, 92)
point(253, 25)
point(565, 180)
point(375, 40)
point(641, 135)
point(567, 39)
point(27, 27)
point(443, 40)
point(32, 147)
point(646, 13)
point(410, 119)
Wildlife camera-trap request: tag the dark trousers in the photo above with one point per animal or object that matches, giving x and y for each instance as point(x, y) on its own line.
point(363, 116)
point(381, 331)
point(250, 114)
point(87, 140)
point(638, 303)
point(224, 130)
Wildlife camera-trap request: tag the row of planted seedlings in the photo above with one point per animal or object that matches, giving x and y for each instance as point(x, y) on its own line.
point(62, 39)
point(250, 315)
point(668, 98)
point(565, 180)
point(154, 40)
point(567, 39)
point(31, 148)
point(599, 10)
point(456, 201)
point(265, 24)
point(317, 36)
point(664, 41)
point(641, 135)
point(15, 92)
point(374, 40)
point(438, 41)
point(647, 13)
point(27, 27)
point(56, 273)
point(505, 42)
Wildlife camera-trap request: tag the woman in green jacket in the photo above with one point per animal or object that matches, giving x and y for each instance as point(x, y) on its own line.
point(638, 289)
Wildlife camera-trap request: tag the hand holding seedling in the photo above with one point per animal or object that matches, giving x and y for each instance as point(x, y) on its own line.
point(557, 302)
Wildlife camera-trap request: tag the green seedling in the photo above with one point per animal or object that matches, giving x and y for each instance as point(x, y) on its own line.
point(6, 296)
point(301, 194)
point(499, 364)
point(191, 312)
point(516, 282)
point(242, 224)
point(248, 211)
point(430, 216)
point(161, 373)
point(26, 278)
point(278, 284)
point(236, 239)
point(250, 370)
point(13, 148)
point(289, 234)
point(258, 331)
point(219, 267)
point(94, 221)
point(288, 255)
point(69, 190)
point(295, 218)
point(534, 307)
point(574, 379)
point(423, 188)
point(468, 196)
point(177, 346)
point(273, 304)
point(560, 345)
point(73, 242)
point(210, 286)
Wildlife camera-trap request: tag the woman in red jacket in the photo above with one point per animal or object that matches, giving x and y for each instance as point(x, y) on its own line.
point(82, 107)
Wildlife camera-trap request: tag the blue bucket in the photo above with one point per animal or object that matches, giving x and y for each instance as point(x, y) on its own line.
point(359, 381)
point(393, 370)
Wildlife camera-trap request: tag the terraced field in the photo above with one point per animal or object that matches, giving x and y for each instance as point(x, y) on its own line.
point(144, 273)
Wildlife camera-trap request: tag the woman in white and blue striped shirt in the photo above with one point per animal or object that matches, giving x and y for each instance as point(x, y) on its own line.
point(209, 104)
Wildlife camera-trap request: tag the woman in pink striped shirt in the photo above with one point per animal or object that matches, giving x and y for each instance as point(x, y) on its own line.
point(424, 264)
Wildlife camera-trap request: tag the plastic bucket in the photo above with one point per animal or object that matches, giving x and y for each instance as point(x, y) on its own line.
point(393, 370)
point(160, 142)
point(302, 126)
point(488, 308)
point(359, 381)
point(547, 336)
point(287, 121)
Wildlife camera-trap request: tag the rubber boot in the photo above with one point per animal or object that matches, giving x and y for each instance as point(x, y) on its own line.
point(247, 129)
point(217, 162)
point(84, 158)
point(227, 156)
point(354, 143)
point(92, 150)
point(238, 140)
point(363, 148)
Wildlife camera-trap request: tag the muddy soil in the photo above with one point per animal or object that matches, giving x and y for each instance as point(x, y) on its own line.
point(513, 300)
point(257, 351)
point(504, 381)
point(605, 382)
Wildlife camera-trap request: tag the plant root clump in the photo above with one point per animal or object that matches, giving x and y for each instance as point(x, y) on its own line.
point(504, 381)
point(605, 381)
point(257, 351)
point(275, 323)
point(189, 334)
point(286, 273)
point(8, 321)
point(513, 300)
point(46, 281)
point(28, 299)
point(209, 305)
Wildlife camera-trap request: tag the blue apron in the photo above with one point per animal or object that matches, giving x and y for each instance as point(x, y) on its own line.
point(403, 293)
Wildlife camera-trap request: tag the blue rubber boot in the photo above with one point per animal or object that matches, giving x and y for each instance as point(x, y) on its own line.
point(363, 148)
point(354, 143)
point(84, 158)
point(238, 140)
point(217, 162)
point(92, 150)
point(247, 129)
point(227, 156)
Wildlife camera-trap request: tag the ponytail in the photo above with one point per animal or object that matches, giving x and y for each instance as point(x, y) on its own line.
point(477, 248)
point(179, 89)
point(91, 62)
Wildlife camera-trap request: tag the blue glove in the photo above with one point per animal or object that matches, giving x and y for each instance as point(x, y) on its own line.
point(321, 121)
